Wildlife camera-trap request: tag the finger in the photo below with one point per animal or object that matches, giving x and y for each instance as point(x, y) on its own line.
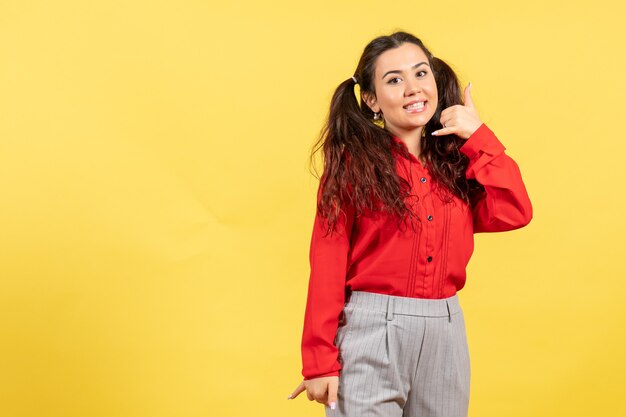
point(298, 390)
point(449, 112)
point(332, 393)
point(445, 131)
point(468, 97)
point(321, 398)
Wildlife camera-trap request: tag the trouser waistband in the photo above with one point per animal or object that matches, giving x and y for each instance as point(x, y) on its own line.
point(410, 306)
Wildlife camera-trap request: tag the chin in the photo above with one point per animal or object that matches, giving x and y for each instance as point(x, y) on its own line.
point(419, 124)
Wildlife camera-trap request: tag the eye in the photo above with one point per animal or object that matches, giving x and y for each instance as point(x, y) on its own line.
point(392, 80)
point(424, 72)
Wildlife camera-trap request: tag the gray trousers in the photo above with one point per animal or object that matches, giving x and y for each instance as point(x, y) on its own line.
point(402, 357)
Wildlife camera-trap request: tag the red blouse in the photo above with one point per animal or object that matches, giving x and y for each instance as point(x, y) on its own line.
point(370, 253)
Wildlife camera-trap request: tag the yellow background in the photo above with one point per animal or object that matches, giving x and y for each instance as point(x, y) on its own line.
point(156, 206)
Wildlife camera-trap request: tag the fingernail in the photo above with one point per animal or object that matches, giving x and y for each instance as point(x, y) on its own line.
point(470, 84)
point(435, 133)
point(289, 397)
point(332, 405)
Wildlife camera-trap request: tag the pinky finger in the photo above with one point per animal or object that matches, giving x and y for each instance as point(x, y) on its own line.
point(297, 392)
point(444, 131)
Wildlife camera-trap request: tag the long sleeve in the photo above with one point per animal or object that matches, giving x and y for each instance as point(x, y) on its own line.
point(326, 295)
point(505, 204)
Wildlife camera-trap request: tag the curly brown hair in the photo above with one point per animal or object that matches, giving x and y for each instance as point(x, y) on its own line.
point(359, 167)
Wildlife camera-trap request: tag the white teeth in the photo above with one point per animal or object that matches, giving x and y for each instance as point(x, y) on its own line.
point(414, 106)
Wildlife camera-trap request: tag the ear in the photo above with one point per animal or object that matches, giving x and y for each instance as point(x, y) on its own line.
point(370, 100)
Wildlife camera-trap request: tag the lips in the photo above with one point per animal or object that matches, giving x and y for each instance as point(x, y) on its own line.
point(415, 106)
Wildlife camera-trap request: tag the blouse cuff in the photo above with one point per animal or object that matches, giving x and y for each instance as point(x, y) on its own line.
point(333, 373)
point(483, 140)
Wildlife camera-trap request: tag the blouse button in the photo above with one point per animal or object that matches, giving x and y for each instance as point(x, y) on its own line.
point(430, 218)
point(429, 259)
point(423, 179)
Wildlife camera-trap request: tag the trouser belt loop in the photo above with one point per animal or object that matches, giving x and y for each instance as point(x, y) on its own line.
point(389, 308)
point(449, 315)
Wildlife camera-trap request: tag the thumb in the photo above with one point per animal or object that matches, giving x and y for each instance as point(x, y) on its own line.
point(332, 393)
point(298, 390)
point(468, 98)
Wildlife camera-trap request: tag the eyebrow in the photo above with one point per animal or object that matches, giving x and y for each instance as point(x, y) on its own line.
point(400, 72)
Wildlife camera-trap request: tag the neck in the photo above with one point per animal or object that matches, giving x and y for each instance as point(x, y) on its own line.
point(411, 138)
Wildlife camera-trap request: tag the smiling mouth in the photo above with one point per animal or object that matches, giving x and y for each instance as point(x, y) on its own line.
point(415, 106)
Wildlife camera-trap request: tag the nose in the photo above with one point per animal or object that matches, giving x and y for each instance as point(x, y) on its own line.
point(412, 87)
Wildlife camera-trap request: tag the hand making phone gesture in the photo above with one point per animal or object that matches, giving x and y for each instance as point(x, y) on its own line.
point(462, 120)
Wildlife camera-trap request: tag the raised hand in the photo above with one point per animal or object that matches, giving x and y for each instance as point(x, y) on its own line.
point(323, 390)
point(462, 120)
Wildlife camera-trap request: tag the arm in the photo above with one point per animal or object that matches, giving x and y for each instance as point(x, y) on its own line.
point(505, 204)
point(326, 295)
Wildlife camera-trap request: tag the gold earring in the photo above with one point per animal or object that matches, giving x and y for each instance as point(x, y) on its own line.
point(378, 120)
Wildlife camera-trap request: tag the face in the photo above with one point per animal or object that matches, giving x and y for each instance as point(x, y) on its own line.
point(405, 90)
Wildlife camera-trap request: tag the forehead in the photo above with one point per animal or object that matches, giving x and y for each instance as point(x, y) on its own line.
point(401, 58)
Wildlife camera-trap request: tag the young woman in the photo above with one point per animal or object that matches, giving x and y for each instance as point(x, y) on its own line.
point(410, 174)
